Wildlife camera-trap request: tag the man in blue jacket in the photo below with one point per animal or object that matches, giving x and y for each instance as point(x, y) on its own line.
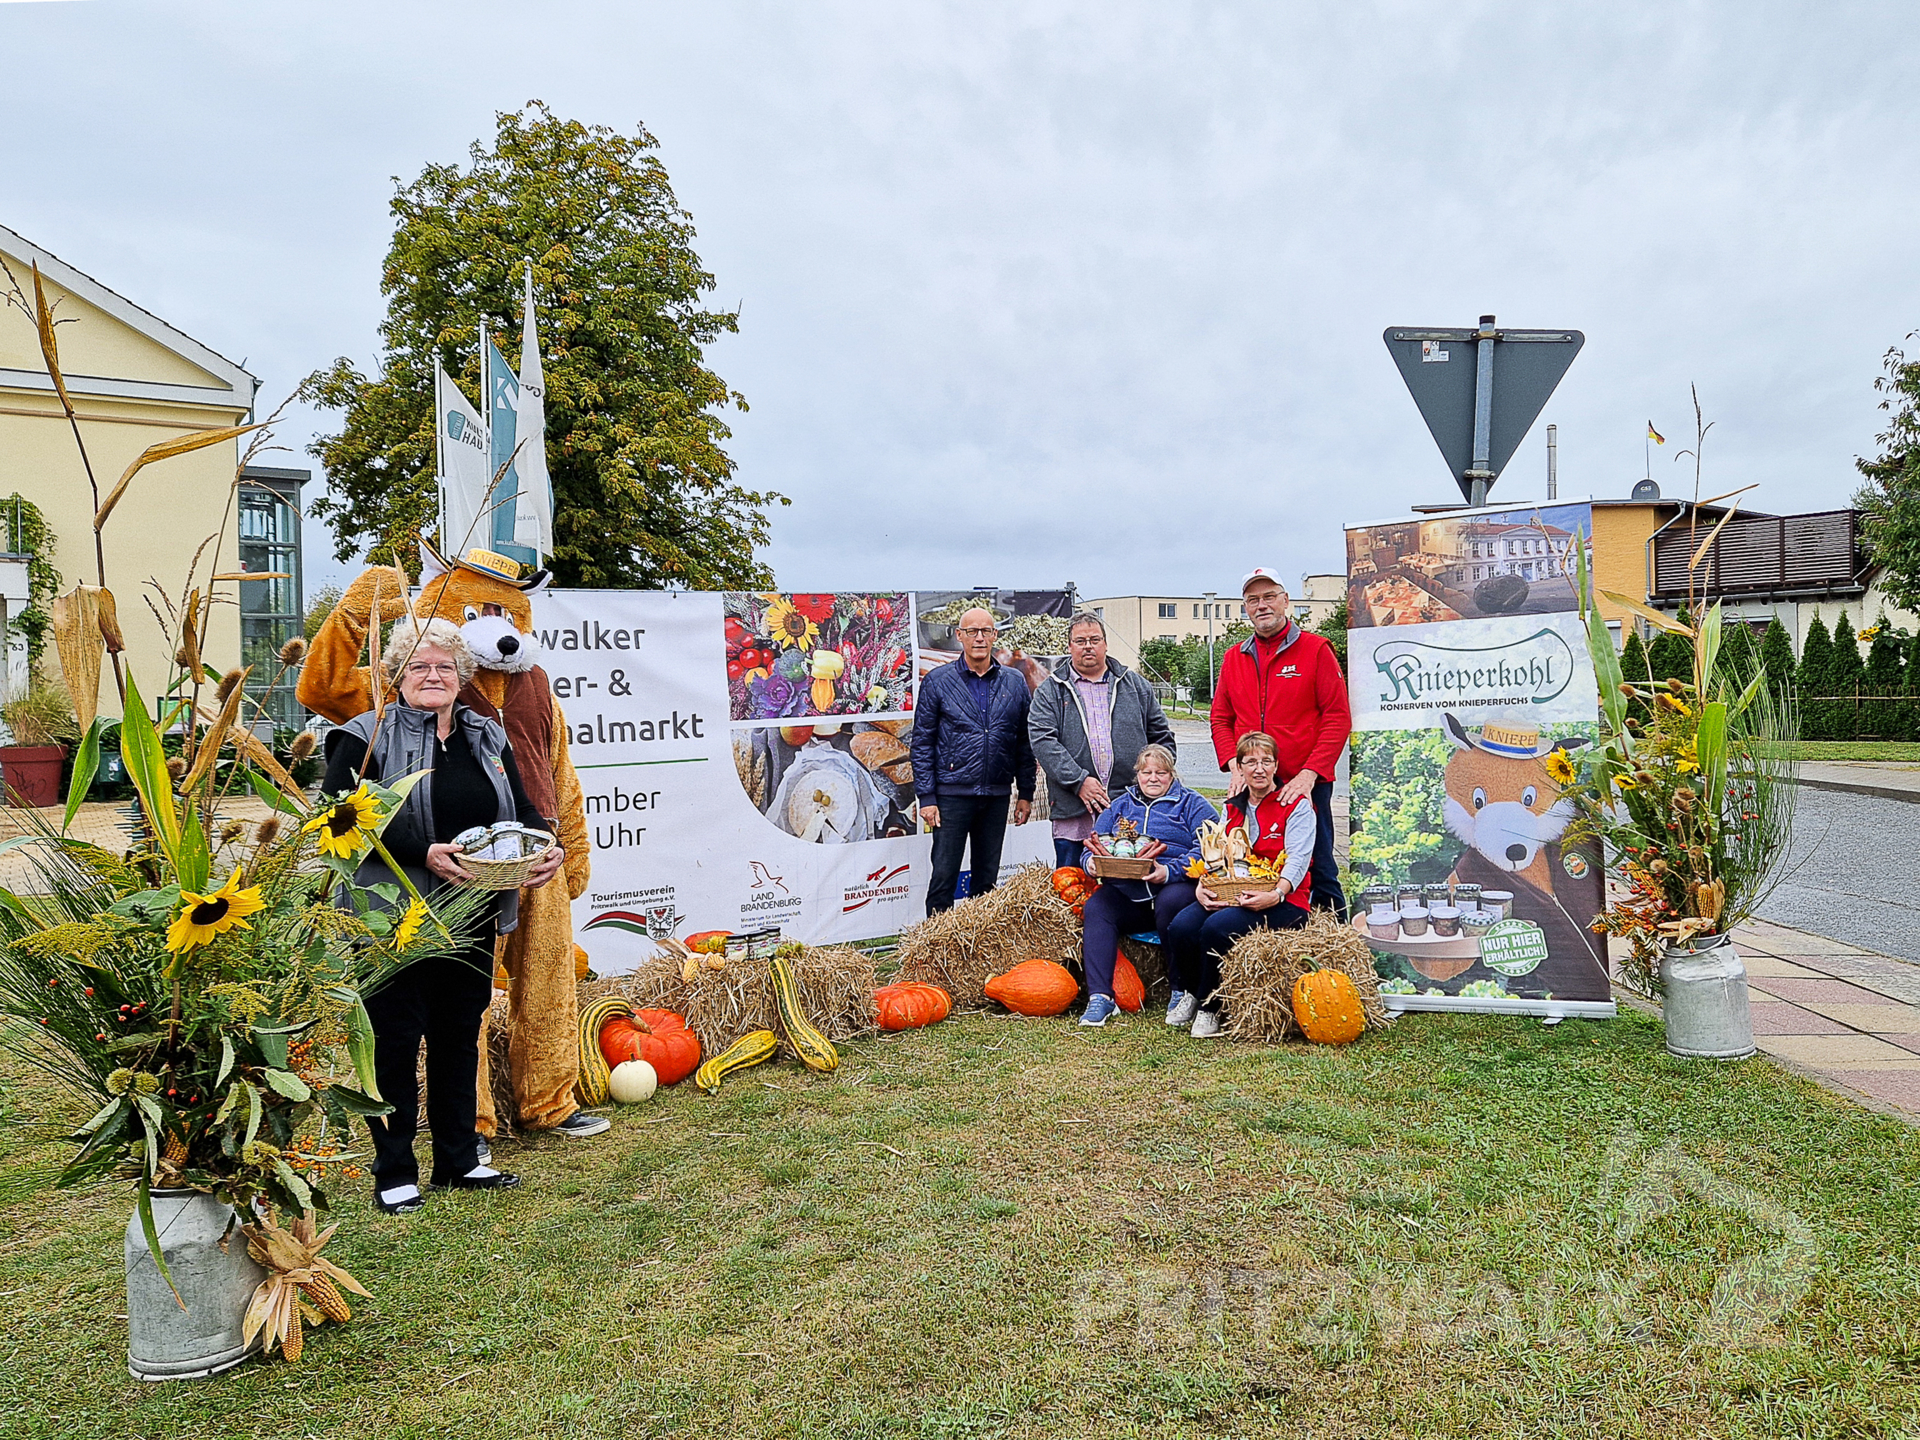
point(970, 749)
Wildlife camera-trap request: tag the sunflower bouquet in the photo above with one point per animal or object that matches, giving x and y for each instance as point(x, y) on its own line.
point(1690, 787)
point(203, 990)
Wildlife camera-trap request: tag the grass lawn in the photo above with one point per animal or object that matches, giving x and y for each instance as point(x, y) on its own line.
point(1468, 1226)
point(1856, 750)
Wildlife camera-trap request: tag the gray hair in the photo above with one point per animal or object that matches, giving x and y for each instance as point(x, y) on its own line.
point(1087, 617)
point(410, 635)
point(1160, 753)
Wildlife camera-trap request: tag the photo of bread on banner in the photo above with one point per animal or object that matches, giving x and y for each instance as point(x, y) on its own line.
point(488, 597)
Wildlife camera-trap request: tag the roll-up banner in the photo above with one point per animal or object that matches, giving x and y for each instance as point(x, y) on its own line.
point(744, 761)
point(1469, 678)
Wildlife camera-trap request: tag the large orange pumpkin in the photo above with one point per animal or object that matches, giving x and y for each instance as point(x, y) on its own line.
point(1128, 991)
point(1035, 987)
point(659, 1037)
point(1074, 885)
point(910, 1005)
point(1326, 1004)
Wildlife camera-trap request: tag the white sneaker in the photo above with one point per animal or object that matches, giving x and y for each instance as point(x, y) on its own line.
point(1182, 1008)
point(1206, 1025)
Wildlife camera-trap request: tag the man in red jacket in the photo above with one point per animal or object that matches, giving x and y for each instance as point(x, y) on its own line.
point(1287, 682)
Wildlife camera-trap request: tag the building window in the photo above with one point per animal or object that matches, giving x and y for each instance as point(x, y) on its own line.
point(271, 611)
point(1196, 612)
point(1168, 610)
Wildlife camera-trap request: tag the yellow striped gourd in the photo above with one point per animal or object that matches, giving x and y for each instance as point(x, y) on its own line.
point(816, 1052)
point(594, 1070)
point(749, 1049)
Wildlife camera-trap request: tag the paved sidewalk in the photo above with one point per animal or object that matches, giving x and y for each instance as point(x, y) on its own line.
point(1847, 1016)
point(1883, 779)
point(98, 823)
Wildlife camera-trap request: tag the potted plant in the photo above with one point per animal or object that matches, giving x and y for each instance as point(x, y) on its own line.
point(41, 725)
point(1691, 789)
point(203, 995)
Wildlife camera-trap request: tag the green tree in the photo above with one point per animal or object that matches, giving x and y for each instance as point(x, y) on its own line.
point(1738, 654)
point(1164, 660)
point(1815, 676)
point(1670, 657)
point(1889, 503)
point(1198, 675)
point(1849, 677)
point(1633, 665)
point(1334, 628)
point(643, 492)
point(1776, 657)
point(1887, 715)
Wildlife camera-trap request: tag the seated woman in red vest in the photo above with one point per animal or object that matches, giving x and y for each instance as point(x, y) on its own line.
point(1201, 934)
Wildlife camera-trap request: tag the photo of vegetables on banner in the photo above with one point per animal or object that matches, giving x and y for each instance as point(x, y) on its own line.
point(790, 656)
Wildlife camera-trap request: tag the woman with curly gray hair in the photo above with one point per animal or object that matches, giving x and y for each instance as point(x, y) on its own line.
point(472, 781)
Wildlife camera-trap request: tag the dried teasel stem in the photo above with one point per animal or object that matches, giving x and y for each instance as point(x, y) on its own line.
point(267, 831)
point(304, 744)
point(227, 682)
point(294, 651)
point(176, 768)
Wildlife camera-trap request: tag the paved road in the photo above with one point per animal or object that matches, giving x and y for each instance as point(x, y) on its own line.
point(1852, 873)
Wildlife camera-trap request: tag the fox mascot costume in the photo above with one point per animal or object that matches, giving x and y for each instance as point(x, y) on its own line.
point(486, 596)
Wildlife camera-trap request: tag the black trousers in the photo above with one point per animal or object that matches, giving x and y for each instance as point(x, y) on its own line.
point(442, 1001)
point(1327, 894)
point(1199, 938)
point(976, 820)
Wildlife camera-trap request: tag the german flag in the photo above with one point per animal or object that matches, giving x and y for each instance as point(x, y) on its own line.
point(1654, 435)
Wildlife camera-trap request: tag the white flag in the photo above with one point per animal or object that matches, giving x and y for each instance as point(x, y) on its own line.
point(533, 514)
point(461, 443)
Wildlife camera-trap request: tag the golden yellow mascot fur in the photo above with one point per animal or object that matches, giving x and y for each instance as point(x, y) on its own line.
point(484, 596)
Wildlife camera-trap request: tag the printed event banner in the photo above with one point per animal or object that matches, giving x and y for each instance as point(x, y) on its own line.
point(744, 760)
point(1469, 676)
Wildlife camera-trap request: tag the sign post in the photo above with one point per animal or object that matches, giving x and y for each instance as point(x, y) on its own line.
point(1476, 434)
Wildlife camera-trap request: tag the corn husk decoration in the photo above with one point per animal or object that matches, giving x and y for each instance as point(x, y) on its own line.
point(82, 642)
point(302, 1286)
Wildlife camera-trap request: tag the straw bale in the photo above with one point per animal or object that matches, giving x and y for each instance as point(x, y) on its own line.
point(1258, 974)
point(835, 983)
point(986, 935)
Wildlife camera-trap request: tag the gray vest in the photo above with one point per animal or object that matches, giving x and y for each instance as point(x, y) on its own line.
point(407, 741)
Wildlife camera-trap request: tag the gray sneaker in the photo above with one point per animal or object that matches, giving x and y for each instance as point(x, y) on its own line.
point(482, 1151)
point(1182, 1008)
point(1100, 1009)
point(1206, 1025)
point(580, 1125)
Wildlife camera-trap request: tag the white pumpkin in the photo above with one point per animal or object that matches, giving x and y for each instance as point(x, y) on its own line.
point(632, 1082)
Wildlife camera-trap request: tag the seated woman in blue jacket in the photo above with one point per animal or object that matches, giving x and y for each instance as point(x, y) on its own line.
point(1167, 815)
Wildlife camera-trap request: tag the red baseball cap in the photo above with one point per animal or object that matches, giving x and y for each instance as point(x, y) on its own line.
point(1262, 572)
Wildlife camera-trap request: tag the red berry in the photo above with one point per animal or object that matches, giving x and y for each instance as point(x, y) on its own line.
point(101, 1036)
point(171, 1093)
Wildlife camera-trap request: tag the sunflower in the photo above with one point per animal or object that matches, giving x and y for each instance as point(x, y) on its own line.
point(410, 924)
point(202, 917)
point(787, 625)
point(1560, 768)
point(1687, 759)
point(346, 826)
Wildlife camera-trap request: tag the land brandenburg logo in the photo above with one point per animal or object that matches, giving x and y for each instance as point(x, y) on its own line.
point(1416, 675)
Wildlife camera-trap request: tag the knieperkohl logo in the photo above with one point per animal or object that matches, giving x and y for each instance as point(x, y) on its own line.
point(879, 885)
point(1417, 675)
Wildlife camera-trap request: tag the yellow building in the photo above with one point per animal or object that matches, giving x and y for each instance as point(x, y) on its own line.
point(134, 380)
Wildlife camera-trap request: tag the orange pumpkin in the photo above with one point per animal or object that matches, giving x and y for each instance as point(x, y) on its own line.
point(619, 1040)
point(1035, 987)
point(910, 1005)
point(1128, 991)
point(706, 942)
point(1326, 1005)
point(667, 1044)
point(1074, 885)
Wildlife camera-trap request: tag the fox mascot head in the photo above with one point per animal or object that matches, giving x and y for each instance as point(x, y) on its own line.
point(1502, 802)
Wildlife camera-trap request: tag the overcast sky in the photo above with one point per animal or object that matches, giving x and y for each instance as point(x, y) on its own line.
point(1045, 292)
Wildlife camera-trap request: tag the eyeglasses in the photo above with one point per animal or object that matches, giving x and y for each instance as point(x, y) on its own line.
point(420, 672)
point(1088, 640)
point(978, 630)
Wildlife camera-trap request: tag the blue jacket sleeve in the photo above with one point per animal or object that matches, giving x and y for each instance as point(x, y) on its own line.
point(926, 726)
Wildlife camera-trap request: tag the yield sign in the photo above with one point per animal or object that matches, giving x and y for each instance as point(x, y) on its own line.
point(1480, 390)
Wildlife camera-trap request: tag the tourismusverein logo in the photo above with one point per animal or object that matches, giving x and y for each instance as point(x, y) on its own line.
point(1416, 674)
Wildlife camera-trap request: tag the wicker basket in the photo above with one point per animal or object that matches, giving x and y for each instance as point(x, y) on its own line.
point(1114, 867)
point(506, 874)
point(1231, 890)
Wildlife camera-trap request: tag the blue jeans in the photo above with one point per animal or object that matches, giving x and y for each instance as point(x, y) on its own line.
point(1327, 893)
point(1199, 938)
point(1068, 853)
